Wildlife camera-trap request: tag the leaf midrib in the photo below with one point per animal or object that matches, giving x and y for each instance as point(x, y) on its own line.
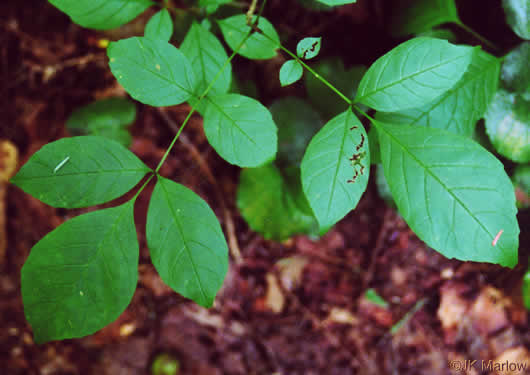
point(435, 178)
point(454, 89)
point(186, 246)
point(220, 109)
point(407, 77)
point(77, 174)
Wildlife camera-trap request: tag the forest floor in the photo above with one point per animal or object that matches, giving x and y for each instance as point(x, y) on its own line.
point(296, 307)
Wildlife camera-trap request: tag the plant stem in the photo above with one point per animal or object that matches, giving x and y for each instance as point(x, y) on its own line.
point(478, 36)
point(317, 76)
point(143, 187)
point(199, 99)
point(372, 120)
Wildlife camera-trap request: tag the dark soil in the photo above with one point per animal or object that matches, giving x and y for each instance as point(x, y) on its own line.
point(285, 308)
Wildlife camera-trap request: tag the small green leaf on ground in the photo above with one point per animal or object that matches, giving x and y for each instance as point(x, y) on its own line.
point(207, 56)
point(396, 327)
point(160, 26)
point(413, 74)
point(372, 296)
point(240, 129)
point(466, 102)
point(508, 126)
point(515, 71)
point(81, 276)
point(308, 48)
point(102, 14)
point(273, 203)
point(256, 47)
point(345, 80)
point(107, 118)
point(518, 16)
point(453, 193)
point(290, 72)
point(153, 72)
point(165, 364)
point(335, 169)
point(80, 172)
point(186, 243)
point(297, 123)
point(416, 16)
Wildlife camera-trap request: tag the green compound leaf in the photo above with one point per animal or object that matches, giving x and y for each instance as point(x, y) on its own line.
point(458, 109)
point(256, 47)
point(335, 169)
point(102, 14)
point(515, 71)
point(107, 118)
point(297, 123)
point(345, 80)
point(508, 126)
point(372, 296)
point(240, 129)
point(81, 276)
point(413, 74)
point(153, 72)
point(80, 172)
point(518, 16)
point(290, 72)
point(207, 56)
point(187, 245)
point(453, 194)
point(334, 3)
point(160, 26)
point(416, 16)
point(308, 48)
point(273, 203)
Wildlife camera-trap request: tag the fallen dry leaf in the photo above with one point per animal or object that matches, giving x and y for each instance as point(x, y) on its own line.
point(488, 312)
point(8, 166)
point(291, 271)
point(274, 299)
